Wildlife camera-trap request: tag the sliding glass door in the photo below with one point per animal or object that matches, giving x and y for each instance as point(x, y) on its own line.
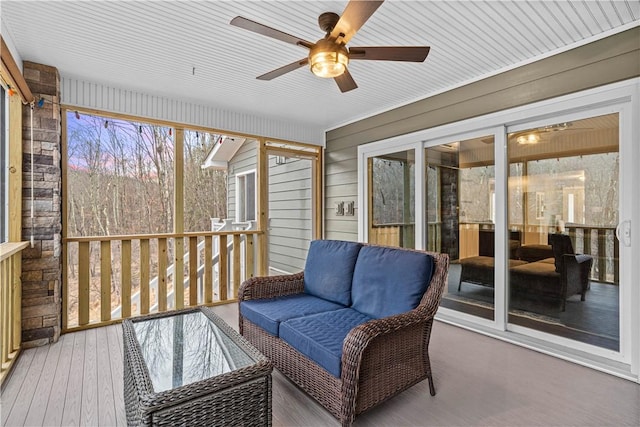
point(564, 202)
point(533, 207)
point(460, 215)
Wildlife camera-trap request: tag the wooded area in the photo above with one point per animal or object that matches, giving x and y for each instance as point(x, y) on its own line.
point(120, 181)
point(120, 178)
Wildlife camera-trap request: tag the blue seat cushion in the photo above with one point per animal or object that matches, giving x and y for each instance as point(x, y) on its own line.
point(329, 269)
point(319, 337)
point(389, 281)
point(269, 313)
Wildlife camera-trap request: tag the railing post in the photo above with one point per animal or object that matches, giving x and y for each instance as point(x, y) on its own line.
point(5, 303)
point(178, 273)
point(208, 270)
point(162, 274)
point(223, 278)
point(193, 271)
point(602, 255)
point(587, 241)
point(16, 309)
point(236, 265)
point(249, 247)
point(83, 283)
point(144, 276)
point(105, 280)
point(125, 278)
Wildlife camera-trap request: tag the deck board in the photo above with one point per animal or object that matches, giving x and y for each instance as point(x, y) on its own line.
point(45, 383)
point(114, 336)
point(21, 407)
point(89, 407)
point(73, 399)
point(105, 385)
point(55, 405)
point(479, 381)
point(14, 382)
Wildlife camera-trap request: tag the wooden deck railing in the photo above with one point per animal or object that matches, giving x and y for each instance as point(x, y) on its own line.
point(403, 235)
point(10, 304)
point(603, 245)
point(114, 277)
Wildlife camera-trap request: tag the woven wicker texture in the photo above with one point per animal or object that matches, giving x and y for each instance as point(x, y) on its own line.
point(241, 397)
point(380, 358)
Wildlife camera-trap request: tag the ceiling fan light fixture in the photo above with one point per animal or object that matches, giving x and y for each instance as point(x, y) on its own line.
point(528, 139)
point(328, 59)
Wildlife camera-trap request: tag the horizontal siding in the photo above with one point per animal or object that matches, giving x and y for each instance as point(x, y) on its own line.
point(290, 201)
point(292, 204)
point(92, 95)
point(605, 61)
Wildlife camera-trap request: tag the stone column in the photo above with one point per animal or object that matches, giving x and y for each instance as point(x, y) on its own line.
point(42, 263)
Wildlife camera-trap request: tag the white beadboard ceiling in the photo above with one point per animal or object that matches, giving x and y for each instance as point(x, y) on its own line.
point(153, 47)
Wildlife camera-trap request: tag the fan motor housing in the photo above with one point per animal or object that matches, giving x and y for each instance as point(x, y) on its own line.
point(328, 21)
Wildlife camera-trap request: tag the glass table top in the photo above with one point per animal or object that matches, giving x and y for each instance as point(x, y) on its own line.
point(185, 348)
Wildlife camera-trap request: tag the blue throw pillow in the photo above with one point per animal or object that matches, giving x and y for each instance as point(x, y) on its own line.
point(329, 269)
point(389, 281)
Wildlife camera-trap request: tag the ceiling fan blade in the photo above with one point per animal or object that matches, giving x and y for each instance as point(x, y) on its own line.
point(283, 70)
point(256, 27)
point(390, 53)
point(354, 16)
point(345, 82)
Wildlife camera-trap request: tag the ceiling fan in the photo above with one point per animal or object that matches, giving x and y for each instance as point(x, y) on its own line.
point(533, 136)
point(329, 56)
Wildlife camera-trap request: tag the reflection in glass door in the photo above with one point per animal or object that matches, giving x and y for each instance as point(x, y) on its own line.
point(392, 199)
point(563, 201)
point(460, 203)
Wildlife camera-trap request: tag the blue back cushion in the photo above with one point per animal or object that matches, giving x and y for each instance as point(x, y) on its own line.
point(269, 313)
point(389, 281)
point(320, 336)
point(329, 269)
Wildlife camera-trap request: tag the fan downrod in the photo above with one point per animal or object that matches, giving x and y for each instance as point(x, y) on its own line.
point(327, 21)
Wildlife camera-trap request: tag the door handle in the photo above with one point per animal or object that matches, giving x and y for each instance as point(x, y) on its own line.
point(623, 232)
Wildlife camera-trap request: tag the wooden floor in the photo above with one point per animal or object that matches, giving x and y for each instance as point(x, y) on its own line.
point(480, 381)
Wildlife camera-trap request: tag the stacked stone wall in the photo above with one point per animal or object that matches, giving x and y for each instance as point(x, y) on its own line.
point(42, 263)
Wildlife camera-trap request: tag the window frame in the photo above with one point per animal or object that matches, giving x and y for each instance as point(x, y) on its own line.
point(241, 195)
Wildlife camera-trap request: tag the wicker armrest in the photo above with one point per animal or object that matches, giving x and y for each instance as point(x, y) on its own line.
point(359, 337)
point(271, 286)
point(370, 349)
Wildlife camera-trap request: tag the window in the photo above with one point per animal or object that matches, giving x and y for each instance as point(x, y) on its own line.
point(4, 167)
point(246, 197)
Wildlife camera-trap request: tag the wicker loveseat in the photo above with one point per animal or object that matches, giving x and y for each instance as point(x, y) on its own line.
point(353, 328)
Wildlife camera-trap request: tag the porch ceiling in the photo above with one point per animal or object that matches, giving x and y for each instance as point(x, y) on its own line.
point(188, 51)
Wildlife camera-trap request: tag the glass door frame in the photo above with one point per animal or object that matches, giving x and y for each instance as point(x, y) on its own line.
point(625, 309)
point(394, 145)
point(622, 98)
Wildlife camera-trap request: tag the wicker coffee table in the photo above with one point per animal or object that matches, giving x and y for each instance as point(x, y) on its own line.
point(189, 367)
